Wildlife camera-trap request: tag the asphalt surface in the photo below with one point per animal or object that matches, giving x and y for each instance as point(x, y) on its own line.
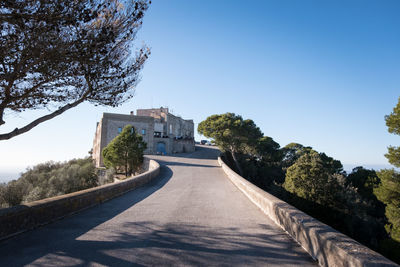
point(192, 215)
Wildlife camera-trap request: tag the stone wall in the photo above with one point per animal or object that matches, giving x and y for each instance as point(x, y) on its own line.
point(328, 246)
point(178, 127)
point(158, 113)
point(107, 130)
point(21, 218)
point(115, 121)
point(184, 146)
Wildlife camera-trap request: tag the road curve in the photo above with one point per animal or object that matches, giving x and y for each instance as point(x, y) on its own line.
point(191, 215)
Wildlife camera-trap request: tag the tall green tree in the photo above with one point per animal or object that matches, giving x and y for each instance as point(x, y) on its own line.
point(232, 134)
point(388, 190)
point(268, 150)
point(267, 162)
point(364, 180)
point(125, 150)
point(56, 54)
point(262, 166)
point(291, 153)
point(393, 124)
point(389, 193)
point(314, 177)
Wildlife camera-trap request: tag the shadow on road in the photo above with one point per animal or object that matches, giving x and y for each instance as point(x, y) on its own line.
point(149, 243)
point(202, 246)
point(61, 236)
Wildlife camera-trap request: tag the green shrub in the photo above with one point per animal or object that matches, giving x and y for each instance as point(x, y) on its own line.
point(50, 179)
point(12, 193)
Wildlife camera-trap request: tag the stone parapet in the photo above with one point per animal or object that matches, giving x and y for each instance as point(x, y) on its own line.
point(326, 245)
point(21, 218)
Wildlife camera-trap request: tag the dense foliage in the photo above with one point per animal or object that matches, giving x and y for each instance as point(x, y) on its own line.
point(57, 54)
point(314, 182)
point(50, 179)
point(388, 190)
point(125, 151)
point(389, 193)
point(232, 134)
point(314, 177)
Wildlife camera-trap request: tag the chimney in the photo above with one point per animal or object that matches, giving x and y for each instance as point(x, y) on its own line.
point(132, 113)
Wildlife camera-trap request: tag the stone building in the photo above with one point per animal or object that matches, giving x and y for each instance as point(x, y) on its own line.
point(163, 132)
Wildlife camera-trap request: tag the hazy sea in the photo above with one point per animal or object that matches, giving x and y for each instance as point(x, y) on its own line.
point(8, 176)
point(349, 167)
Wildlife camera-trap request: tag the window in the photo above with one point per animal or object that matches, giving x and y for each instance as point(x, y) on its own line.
point(170, 129)
point(119, 129)
point(143, 131)
point(133, 130)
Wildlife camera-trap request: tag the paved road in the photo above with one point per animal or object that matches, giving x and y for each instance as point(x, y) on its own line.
point(191, 215)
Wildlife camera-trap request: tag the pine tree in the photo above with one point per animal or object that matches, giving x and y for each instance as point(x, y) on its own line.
point(125, 151)
point(388, 190)
point(57, 54)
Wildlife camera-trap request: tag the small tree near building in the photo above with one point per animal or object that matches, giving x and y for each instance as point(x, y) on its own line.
point(125, 151)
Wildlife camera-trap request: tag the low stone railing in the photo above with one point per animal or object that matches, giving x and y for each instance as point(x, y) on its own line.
point(326, 245)
point(21, 218)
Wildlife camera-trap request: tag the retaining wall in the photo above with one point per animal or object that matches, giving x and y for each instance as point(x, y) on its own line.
point(21, 218)
point(326, 245)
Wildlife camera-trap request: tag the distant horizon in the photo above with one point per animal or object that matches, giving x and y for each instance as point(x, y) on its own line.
point(15, 173)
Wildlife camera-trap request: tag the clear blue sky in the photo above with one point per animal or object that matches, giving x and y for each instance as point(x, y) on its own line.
point(320, 73)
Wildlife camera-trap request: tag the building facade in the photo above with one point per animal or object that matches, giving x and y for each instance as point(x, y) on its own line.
point(163, 132)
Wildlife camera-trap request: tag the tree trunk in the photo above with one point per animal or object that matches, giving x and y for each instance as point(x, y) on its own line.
point(236, 163)
point(126, 166)
point(18, 131)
